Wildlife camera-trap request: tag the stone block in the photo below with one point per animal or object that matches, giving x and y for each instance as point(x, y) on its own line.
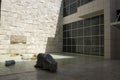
point(15, 39)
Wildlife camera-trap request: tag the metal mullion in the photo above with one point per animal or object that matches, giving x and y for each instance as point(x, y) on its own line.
point(76, 37)
point(66, 43)
point(91, 33)
point(83, 38)
point(71, 35)
point(99, 38)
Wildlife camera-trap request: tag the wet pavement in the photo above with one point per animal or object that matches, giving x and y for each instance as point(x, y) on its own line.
point(70, 66)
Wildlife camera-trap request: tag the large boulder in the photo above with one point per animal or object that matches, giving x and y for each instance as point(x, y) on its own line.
point(46, 61)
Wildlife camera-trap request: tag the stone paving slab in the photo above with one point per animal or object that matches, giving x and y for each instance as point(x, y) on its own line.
point(105, 70)
point(62, 59)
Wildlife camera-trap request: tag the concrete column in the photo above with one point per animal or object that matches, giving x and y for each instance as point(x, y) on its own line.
point(107, 52)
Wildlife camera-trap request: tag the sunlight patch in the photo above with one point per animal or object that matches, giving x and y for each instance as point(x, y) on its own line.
point(61, 56)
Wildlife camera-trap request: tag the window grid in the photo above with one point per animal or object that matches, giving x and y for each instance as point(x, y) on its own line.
point(82, 2)
point(94, 43)
point(70, 7)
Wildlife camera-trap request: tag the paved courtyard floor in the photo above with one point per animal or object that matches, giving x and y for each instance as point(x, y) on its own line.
point(70, 67)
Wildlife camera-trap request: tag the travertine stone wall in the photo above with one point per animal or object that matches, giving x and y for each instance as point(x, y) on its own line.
point(40, 21)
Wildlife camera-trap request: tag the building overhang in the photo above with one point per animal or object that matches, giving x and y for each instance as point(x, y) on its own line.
point(92, 14)
point(92, 8)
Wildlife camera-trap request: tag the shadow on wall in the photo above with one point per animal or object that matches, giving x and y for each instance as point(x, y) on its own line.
point(54, 44)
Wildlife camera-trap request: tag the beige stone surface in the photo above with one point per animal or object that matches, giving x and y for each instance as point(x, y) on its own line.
point(38, 22)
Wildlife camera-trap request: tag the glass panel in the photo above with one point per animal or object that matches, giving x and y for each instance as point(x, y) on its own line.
point(80, 41)
point(70, 33)
point(73, 49)
point(64, 34)
point(95, 20)
point(69, 48)
point(80, 23)
point(74, 33)
point(80, 49)
point(74, 41)
point(73, 8)
point(67, 34)
point(85, 1)
point(102, 19)
point(95, 40)
point(82, 2)
point(87, 41)
point(64, 48)
point(64, 3)
point(68, 26)
point(87, 22)
point(79, 2)
point(95, 30)
point(101, 51)
point(71, 1)
point(64, 41)
point(66, 11)
point(68, 41)
point(102, 40)
point(74, 25)
point(67, 2)
point(87, 31)
point(95, 50)
point(101, 29)
point(64, 27)
point(87, 49)
point(80, 32)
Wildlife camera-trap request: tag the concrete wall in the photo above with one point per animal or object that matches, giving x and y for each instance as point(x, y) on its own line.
point(39, 21)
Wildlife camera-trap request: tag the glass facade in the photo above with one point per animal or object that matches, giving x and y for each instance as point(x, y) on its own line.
point(70, 6)
point(85, 36)
point(82, 2)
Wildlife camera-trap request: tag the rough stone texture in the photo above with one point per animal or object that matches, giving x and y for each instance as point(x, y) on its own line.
point(39, 20)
